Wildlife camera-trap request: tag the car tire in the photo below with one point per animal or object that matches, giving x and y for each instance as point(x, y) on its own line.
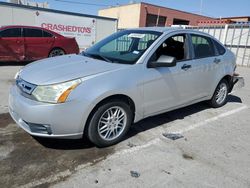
point(109, 123)
point(220, 95)
point(56, 52)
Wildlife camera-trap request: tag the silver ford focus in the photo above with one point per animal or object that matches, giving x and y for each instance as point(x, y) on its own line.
point(128, 76)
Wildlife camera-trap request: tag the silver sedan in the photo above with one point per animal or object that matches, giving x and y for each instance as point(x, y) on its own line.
point(128, 76)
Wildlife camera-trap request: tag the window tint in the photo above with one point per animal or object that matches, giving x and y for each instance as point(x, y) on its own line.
point(33, 32)
point(203, 46)
point(174, 46)
point(221, 50)
point(14, 32)
point(47, 34)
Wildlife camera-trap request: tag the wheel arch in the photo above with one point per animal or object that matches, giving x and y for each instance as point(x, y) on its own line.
point(122, 97)
point(228, 78)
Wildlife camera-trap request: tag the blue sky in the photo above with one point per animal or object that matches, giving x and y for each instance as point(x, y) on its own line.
point(213, 8)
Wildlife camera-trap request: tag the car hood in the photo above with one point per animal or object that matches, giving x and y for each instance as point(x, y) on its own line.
point(65, 68)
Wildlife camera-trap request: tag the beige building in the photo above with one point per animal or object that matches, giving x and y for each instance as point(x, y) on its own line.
point(128, 15)
point(145, 15)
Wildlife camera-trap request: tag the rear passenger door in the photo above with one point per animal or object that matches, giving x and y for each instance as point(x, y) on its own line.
point(11, 45)
point(38, 43)
point(206, 62)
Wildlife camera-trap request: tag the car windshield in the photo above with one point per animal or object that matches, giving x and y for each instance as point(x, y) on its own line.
point(124, 47)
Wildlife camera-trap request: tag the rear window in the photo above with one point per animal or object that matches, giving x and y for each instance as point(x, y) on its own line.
point(47, 34)
point(203, 46)
point(13, 32)
point(33, 32)
point(221, 50)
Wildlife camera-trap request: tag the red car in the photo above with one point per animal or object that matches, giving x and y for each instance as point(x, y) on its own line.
point(28, 43)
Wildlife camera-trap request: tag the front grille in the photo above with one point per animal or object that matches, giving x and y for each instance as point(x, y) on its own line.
point(24, 86)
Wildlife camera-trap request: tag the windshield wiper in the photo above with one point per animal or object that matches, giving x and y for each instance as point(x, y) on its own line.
point(97, 56)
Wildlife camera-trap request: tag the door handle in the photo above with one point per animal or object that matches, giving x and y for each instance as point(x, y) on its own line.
point(216, 60)
point(186, 67)
point(18, 41)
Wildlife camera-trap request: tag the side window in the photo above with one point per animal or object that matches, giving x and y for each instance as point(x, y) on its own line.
point(203, 46)
point(33, 32)
point(47, 34)
point(221, 50)
point(14, 32)
point(174, 46)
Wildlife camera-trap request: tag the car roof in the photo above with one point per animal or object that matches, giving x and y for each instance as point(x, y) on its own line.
point(171, 29)
point(31, 27)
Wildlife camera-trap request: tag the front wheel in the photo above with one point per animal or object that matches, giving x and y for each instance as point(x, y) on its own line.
point(109, 123)
point(220, 95)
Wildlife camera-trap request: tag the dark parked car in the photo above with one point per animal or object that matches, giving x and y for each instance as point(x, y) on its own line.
point(26, 43)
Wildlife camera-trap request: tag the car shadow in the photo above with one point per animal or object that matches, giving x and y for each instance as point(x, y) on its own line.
point(15, 63)
point(179, 114)
point(141, 126)
point(65, 144)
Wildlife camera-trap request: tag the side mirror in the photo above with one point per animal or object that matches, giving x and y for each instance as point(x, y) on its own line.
point(163, 61)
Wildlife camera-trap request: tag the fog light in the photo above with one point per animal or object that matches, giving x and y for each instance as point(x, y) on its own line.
point(39, 128)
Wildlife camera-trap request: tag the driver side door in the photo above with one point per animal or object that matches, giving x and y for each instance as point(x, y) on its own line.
point(166, 88)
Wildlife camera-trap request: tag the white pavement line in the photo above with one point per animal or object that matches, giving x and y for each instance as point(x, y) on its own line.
point(134, 149)
point(225, 114)
point(66, 173)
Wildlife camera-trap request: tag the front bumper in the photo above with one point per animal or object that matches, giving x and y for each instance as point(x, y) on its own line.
point(65, 120)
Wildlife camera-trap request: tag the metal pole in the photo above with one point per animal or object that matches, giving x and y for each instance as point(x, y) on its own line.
point(201, 6)
point(157, 21)
point(214, 31)
point(220, 33)
point(239, 42)
point(244, 54)
point(248, 62)
point(233, 37)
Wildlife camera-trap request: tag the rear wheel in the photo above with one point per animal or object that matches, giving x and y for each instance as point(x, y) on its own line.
point(56, 52)
point(109, 123)
point(220, 95)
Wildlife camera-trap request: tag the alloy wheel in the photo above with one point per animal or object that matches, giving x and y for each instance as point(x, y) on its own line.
point(112, 123)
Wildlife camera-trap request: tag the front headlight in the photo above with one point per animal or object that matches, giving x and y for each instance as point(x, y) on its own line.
point(56, 93)
point(17, 74)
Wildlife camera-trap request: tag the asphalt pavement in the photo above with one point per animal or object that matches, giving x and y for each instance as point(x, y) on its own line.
point(211, 148)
